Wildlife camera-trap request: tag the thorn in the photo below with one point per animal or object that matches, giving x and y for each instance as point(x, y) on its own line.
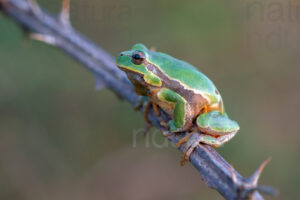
point(248, 186)
point(43, 38)
point(64, 15)
point(253, 180)
point(233, 175)
point(34, 7)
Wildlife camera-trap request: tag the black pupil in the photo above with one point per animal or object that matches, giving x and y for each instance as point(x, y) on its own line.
point(136, 56)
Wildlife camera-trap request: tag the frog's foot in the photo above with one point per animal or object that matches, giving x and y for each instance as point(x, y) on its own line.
point(216, 142)
point(196, 138)
point(183, 140)
point(192, 139)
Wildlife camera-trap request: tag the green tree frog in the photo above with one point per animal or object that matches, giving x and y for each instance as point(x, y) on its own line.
point(189, 97)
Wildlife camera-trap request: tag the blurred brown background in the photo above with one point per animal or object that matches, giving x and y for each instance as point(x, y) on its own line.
point(61, 139)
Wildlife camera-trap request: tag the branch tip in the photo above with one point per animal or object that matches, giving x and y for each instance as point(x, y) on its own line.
point(268, 190)
point(64, 16)
point(249, 186)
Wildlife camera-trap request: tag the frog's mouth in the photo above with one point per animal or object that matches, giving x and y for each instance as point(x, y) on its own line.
point(137, 79)
point(123, 68)
point(128, 70)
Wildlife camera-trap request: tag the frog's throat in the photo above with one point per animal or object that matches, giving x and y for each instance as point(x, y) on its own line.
point(148, 76)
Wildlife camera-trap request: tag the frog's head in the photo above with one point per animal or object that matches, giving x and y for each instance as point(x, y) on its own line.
point(134, 62)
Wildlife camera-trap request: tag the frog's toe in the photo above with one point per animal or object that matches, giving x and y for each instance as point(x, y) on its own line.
point(183, 140)
point(193, 141)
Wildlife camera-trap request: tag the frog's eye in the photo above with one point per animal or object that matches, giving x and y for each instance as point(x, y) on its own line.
point(138, 57)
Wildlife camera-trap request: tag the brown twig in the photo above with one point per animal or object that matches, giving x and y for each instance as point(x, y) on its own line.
point(57, 31)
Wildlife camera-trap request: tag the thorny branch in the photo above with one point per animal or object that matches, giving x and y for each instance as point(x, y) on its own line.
point(57, 31)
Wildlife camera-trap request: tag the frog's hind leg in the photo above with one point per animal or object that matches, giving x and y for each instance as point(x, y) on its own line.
point(218, 128)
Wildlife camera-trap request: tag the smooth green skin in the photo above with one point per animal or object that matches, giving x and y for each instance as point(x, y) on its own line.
point(179, 111)
point(216, 124)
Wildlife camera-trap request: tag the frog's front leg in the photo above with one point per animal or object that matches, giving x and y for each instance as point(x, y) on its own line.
point(178, 104)
point(147, 107)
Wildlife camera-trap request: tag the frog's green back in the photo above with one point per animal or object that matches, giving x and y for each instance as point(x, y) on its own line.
point(184, 72)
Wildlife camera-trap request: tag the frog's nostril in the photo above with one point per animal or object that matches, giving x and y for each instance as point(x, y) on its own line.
point(121, 54)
